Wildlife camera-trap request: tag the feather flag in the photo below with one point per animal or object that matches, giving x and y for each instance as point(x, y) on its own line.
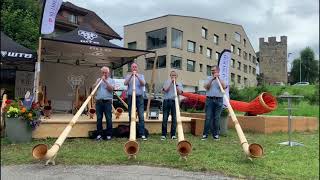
point(50, 11)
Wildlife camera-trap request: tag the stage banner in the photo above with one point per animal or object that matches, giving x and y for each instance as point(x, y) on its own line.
point(224, 65)
point(50, 11)
point(24, 83)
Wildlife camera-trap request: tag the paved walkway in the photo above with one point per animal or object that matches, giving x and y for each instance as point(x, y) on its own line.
point(115, 172)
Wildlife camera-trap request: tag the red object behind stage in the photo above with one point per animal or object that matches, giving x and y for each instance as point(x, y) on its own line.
point(264, 103)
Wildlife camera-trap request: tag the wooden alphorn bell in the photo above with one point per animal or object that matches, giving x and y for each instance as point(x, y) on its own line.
point(251, 150)
point(41, 151)
point(91, 107)
point(119, 110)
point(184, 147)
point(131, 147)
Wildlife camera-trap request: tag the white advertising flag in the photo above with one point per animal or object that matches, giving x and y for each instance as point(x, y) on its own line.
point(224, 65)
point(50, 11)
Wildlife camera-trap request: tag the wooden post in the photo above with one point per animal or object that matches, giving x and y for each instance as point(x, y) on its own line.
point(151, 88)
point(36, 86)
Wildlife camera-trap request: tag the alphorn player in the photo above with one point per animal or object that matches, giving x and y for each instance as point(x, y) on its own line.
point(140, 83)
point(104, 103)
point(169, 105)
point(214, 104)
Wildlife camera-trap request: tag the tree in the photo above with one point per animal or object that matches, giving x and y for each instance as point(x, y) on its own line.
point(20, 21)
point(309, 67)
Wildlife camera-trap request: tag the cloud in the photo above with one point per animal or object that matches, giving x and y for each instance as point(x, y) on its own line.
point(299, 20)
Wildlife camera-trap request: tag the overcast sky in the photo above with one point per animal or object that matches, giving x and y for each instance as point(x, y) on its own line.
point(299, 20)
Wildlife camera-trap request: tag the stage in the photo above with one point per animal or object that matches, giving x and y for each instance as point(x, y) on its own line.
point(55, 125)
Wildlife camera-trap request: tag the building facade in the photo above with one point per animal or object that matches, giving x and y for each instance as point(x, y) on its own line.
point(273, 60)
point(191, 45)
point(70, 16)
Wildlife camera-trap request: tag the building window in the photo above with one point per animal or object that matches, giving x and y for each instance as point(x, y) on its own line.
point(176, 38)
point(191, 46)
point(208, 70)
point(232, 48)
point(157, 39)
point(217, 55)
point(191, 65)
point(204, 32)
point(132, 45)
point(237, 36)
point(200, 67)
point(233, 63)
point(239, 52)
point(225, 37)
point(254, 60)
point(254, 71)
point(239, 79)
point(250, 57)
point(209, 53)
point(73, 18)
point(245, 68)
point(201, 49)
point(239, 65)
point(245, 81)
point(176, 62)
point(244, 42)
point(161, 63)
point(245, 55)
point(129, 66)
point(216, 39)
point(232, 78)
point(249, 69)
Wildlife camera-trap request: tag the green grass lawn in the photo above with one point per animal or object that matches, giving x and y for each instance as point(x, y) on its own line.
point(225, 156)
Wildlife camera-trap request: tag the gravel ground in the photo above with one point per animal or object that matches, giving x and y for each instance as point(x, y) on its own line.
point(85, 172)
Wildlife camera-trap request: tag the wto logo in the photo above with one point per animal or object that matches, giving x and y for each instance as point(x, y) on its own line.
point(16, 54)
point(3, 53)
point(89, 36)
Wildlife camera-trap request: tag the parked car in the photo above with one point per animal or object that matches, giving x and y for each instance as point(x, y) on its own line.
point(155, 102)
point(301, 84)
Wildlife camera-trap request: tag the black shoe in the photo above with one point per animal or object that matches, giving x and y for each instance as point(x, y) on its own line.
point(108, 138)
point(204, 137)
point(144, 138)
point(216, 137)
point(99, 138)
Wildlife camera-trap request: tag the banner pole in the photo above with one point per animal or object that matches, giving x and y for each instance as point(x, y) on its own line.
point(37, 72)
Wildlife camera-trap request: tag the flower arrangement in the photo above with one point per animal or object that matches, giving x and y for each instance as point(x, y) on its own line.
point(30, 112)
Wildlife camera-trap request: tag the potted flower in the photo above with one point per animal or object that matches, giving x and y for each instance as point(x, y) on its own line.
point(224, 122)
point(21, 119)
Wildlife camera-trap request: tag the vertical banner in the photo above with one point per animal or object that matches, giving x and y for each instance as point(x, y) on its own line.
point(24, 83)
point(50, 11)
point(224, 65)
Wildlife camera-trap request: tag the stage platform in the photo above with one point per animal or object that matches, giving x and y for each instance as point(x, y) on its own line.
point(55, 125)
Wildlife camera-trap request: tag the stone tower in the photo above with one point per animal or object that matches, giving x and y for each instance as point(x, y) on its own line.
point(273, 60)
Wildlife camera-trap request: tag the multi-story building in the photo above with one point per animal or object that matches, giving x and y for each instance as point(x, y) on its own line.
point(273, 60)
point(191, 45)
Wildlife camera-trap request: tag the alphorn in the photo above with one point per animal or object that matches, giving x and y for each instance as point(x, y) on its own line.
point(41, 151)
point(124, 103)
point(251, 150)
point(131, 148)
point(184, 147)
point(91, 108)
